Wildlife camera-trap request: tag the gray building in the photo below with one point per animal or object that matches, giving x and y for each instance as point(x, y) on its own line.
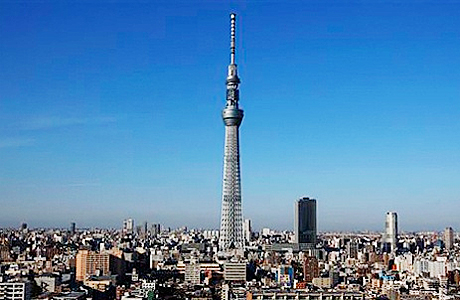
point(305, 222)
point(449, 238)
point(390, 237)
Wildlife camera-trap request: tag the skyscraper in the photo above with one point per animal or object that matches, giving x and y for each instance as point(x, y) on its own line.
point(449, 238)
point(247, 229)
point(305, 223)
point(73, 227)
point(390, 237)
point(128, 225)
point(231, 222)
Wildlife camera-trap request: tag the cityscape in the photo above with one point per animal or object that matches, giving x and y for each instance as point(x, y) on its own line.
point(145, 259)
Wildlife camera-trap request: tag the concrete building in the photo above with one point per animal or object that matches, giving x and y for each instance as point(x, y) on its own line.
point(128, 226)
point(15, 290)
point(310, 268)
point(90, 263)
point(390, 236)
point(48, 283)
point(247, 230)
point(192, 273)
point(235, 271)
point(305, 223)
point(449, 238)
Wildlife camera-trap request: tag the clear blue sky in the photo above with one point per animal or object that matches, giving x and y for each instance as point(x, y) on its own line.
point(112, 110)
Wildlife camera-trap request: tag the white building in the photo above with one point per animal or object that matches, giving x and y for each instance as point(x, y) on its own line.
point(15, 290)
point(390, 236)
point(235, 271)
point(128, 225)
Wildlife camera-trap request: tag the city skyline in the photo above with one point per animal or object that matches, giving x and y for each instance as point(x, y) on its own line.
point(99, 109)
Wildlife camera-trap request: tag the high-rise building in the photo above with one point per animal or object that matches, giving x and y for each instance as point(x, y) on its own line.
point(73, 227)
point(390, 237)
point(128, 226)
point(449, 238)
point(90, 263)
point(156, 229)
point(247, 230)
point(231, 222)
point(305, 223)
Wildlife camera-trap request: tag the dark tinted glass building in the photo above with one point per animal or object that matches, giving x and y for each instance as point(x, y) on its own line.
point(305, 222)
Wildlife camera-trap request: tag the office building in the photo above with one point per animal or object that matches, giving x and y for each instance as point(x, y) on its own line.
point(449, 238)
point(73, 228)
point(128, 226)
point(231, 222)
point(156, 229)
point(305, 223)
point(247, 230)
point(390, 236)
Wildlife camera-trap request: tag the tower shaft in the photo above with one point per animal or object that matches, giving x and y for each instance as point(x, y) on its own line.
point(231, 224)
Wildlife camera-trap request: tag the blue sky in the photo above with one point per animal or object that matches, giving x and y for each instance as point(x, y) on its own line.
point(112, 110)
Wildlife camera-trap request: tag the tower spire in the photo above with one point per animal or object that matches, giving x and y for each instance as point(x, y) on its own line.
point(232, 77)
point(232, 38)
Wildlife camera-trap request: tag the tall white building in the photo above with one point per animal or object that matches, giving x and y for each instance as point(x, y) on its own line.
point(390, 236)
point(231, 222)
point(128, 225)
point(247, 230)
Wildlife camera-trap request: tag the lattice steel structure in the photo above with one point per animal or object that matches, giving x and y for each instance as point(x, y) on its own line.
point(231, 224)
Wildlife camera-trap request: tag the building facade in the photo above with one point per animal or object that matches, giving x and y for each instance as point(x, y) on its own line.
point(449, 238)
point(90, 263)
point(15, 290)
point(390, 236)
point(305, 222)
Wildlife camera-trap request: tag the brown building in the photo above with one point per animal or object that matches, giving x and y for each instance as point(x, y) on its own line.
point(310, 268)
point(91, 263)
point(5, 253)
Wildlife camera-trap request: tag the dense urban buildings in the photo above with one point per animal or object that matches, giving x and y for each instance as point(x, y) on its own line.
point(231, 226)
point(185, 264)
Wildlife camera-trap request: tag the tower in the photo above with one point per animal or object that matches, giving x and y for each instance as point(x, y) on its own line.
point(305, 223)
point(231, 222)
point(390, 237)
